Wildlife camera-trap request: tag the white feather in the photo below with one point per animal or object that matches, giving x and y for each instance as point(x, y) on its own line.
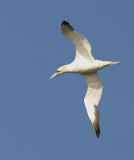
point(87, 66)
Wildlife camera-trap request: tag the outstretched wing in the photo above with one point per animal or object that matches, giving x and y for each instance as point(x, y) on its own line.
point(92, 99)
point(83, 48)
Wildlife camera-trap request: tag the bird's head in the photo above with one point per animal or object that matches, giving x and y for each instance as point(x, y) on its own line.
point(59, 71)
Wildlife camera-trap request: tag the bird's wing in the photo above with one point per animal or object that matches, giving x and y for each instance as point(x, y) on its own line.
point(83, 48)
point(92, 99)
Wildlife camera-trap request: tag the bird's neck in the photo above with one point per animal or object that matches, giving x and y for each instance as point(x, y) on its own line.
point(67, 68)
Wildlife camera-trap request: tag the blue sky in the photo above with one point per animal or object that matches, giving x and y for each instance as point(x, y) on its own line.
point(46, 119)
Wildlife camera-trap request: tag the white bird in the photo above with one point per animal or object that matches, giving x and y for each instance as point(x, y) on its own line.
point(87, 66)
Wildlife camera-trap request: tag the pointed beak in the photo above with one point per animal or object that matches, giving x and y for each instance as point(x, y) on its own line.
point(54, 75)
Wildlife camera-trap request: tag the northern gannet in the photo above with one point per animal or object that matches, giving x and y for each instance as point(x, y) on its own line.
point(87, 66)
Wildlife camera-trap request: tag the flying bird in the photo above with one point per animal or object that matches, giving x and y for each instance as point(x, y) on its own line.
point(85, 64)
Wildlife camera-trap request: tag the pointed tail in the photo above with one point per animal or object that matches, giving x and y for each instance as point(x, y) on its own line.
point(108, 63)
point(114, 62)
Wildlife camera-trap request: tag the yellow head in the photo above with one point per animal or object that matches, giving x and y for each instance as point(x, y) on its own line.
point(59, 71)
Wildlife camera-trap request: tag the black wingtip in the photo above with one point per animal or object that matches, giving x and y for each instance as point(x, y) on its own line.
point(98, 133)
point(66, 24)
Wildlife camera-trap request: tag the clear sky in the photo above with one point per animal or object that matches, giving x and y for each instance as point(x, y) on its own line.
point(42, 119)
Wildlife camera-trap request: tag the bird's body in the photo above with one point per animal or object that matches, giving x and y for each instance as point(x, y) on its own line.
point(87, 66)
point(81, 66)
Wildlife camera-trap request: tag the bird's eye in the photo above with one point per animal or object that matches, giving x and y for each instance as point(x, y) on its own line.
point(57, 71)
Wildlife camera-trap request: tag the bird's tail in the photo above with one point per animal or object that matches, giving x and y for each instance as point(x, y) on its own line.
point(114, 62)
point(108, 63)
